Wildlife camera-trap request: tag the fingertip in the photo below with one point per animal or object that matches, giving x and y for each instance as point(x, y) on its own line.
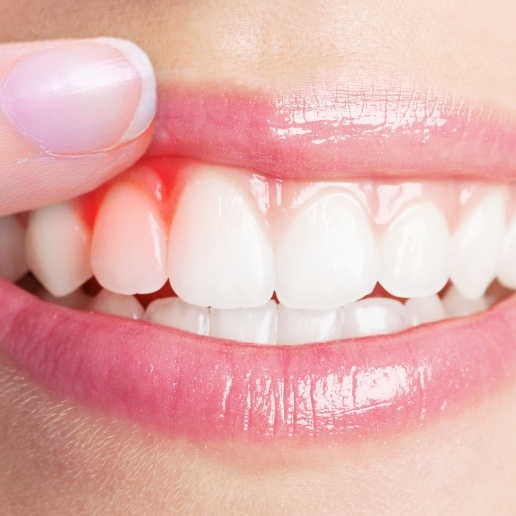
point(81, 97)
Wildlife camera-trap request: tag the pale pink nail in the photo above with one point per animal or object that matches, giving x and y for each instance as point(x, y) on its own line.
point(81, 96)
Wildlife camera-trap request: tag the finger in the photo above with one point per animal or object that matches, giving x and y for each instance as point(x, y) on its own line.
point(74, 113)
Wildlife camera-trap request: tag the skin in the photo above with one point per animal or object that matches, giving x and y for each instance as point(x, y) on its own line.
point(59, 459)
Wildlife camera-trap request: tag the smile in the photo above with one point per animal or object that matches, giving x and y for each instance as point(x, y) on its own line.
point(322, 265)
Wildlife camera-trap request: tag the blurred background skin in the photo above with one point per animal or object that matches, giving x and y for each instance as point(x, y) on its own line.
point(57, 458)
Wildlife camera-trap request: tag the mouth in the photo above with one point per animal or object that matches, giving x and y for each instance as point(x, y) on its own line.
point(322, 265)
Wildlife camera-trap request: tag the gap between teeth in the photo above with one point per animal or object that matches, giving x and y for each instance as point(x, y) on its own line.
point(229, 240)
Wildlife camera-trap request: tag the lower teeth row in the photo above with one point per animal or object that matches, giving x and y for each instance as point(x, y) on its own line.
point(276, 324)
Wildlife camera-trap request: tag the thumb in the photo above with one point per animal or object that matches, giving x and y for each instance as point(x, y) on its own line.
point(74, 113)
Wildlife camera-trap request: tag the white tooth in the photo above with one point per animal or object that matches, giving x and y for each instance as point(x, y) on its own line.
point(58, 248)
point(327, 256)
point(476, 245)
point(425, 309)
point(218, 254)
point(456, 305)
point(257, 325)
point(13, 264)
point(116, 304)
point(414, 252)
point(374, 316)
point(174, 312)
point(507, 266)
point(78, 299)
point(128, 245)
point(304, 326)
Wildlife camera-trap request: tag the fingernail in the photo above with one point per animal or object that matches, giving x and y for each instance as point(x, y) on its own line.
point(81, 96)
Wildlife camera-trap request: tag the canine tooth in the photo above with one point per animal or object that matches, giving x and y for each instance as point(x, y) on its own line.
point(374, 316)
point(327, 256)
point(425, 309)
point(174, 312)
point(302, 326)
point(507, 266)
point(414, 252)
point(218, 254)
point(129, 243)
point(58, 248)
point(257, 325)
point(476, 245)
point(456, 305)
point(13, 263)
point(116, 304)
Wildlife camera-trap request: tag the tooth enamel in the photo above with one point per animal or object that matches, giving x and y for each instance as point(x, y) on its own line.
point(414, 252)
point(218, 254)
point(507, 266)
point(327, 256)
point(425, 309)
point(13, 264)
point(128, 245)
point(116, 304)
point(58, 248)
point(175, 313)
point(476, 245)
point(456, 305)
point(236, 237)
point(374, 316)
point(303, 326)
point(257, 325)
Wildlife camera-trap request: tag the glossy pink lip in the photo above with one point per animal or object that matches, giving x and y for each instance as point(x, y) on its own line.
point(352, 130)
point(215, 390)
point(203, 388)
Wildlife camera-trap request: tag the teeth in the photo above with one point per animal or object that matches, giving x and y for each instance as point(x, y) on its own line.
point(425, 309)
point(128, 245)
point(476, 245)
point(257, 325)
point(374, 316)
point(58, 248)
point(218, 254)
point(414, 252)
point(175, 313)
point(507, 267)
point(327, 256)
point(300, 326)
point(13, 264)
point(456, 305)
point(116, 304)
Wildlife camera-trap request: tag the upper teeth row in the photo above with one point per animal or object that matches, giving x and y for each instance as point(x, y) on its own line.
point(230, 243)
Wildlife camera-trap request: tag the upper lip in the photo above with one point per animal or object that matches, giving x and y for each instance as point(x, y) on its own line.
point(358, 130)
point(205, 388)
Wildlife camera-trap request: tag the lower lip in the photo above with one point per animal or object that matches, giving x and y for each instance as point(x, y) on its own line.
point(208, 389)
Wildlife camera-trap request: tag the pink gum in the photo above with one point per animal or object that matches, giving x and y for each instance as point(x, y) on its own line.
point(278, 200)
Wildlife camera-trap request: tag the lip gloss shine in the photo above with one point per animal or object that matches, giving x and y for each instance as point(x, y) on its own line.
point(362, 130)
